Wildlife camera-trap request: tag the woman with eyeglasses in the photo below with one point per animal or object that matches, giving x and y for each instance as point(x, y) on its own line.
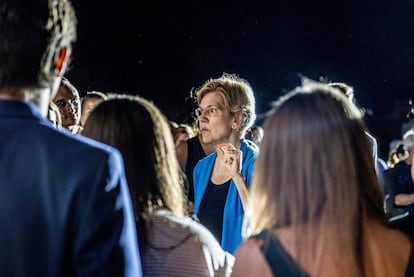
point(67, 99)
point(226, 109)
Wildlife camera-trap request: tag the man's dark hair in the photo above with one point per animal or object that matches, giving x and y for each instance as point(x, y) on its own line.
point(31, 34)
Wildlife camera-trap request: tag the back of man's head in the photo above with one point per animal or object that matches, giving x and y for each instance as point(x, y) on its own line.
point(31, 33)
point(408, 139)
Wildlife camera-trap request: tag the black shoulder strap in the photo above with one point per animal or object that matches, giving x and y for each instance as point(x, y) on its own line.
point(280, 262)
point(409, 272)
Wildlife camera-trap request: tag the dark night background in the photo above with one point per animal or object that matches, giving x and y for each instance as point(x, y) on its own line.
point(161, 50)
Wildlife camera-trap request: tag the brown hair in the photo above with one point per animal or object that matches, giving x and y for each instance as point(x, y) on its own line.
point(237, 95)
point(142, 134)
point(315, 173)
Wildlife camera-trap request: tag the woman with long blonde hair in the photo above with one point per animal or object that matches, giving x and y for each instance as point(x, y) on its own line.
point(316, 207)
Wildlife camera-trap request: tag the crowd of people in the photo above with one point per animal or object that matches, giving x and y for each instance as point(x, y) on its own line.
point(137, 194)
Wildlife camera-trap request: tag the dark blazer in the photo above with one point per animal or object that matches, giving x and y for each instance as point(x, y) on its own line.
point(398, 181)
point(65, 208)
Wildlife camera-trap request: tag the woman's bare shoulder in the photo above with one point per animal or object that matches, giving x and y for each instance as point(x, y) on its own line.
point(250, 260)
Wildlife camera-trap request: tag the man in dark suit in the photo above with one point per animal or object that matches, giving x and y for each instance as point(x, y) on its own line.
point(400, 179)
point(65, 208)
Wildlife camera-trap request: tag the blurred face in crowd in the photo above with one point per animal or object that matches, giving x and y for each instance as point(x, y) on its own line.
point(68, 104)
point(180, 137)
point(410, 157)
point(257, 136)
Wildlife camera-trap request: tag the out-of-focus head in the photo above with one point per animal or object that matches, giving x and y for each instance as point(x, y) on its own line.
point(401, 152)
point(89, 102)
point(314, 163)
point(67, 99)
point(237, 95)
point(36, 38)
point(408, 141)
point(397, 153)
point(256, 134)
point(181, 132)
point(142, 133)
point(343, 87)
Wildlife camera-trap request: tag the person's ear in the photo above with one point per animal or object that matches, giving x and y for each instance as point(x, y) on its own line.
point(237, 121)
point(241, 118)
point(62, 60)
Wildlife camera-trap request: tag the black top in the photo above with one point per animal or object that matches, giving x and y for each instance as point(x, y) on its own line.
point(398, 180)
point(211, 209)
point(195, 152)
point(278, 259)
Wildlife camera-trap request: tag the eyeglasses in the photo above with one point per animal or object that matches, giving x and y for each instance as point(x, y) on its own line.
point(212, 110)
point(64, 104)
